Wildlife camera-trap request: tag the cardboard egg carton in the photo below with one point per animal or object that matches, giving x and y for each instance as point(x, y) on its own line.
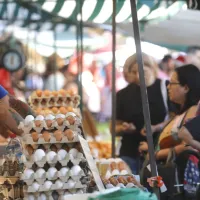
point(52, 101)
point(63, 194)
point(27, 139)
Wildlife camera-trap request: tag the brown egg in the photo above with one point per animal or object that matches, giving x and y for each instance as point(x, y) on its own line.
point(63, 110)
point(30, 149)
point(49, 123)
point(60, 121)
point(131, 179)
point(35, 136)
point(71, 120)
point(71, 92)
point(122, 180)
point(47, 93)
point(113, 165)
point(69, 134)
point(113, 181)
point(38, 123)
point(39, 93)
point(55, 93)
point(46, 135)
point(55, 110)
point(62, 92)
point(58, 135)
point(70, 109)
point(121, 166)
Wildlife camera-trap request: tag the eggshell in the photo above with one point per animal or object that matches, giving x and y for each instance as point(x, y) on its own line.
point(62, 92)
point(59, 184)
point(63, 110)
point(39, 93)
point(36, 186)
point(64, 171)
point(51, 157)
point(115, 172)
point(73, 152)
point(39, 117)
point(35, 136)
point(40, 173)
point(55, 93)
point(46, 135)
point(47, 93)
point(69, 134)
point(30, 149)
point(28, 119)
point(31, 197)
point(75, 170)
point(47, 185)
point(60, 116)
point(38, 155)
point(62, 154)
point(58, 135)
point(55, 110)
point(28, 173)
point(71, 183)
point(51, 173)
point(71, 120)
point(42, 197)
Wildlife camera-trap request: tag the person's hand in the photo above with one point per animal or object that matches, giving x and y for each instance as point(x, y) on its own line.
point(143, 147)
point(128, 127)
point(153, 129)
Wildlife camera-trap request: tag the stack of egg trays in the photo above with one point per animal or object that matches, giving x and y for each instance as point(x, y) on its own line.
point(30, 164)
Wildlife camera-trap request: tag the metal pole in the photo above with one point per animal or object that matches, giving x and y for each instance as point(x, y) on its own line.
point(81, 58)
point(55, 58)
point(145, 102)
point(113, 78)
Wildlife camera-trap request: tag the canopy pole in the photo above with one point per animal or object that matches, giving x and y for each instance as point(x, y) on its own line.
point(113, 78)
point(145, 103)
point(55, 58)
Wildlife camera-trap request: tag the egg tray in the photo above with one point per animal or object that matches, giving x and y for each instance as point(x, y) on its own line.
point(46, 102)
point(10, 179)
point(61, 193)
point(66, 186)
point(58, 175)
point(27, 139)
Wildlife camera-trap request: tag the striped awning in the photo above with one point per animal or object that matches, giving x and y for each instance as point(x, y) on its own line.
point(46, 14)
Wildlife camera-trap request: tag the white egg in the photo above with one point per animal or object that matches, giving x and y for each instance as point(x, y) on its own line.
point(28, 119)
point(64, 171)
point(109, 186)
point(42, 197)
point(40, 173)
point(31, 197)
point(38, 155)
point(59, 184)
point(73, 152)
point(115, 172)
point(60, 116)
point(76, 170)
point(71, 184)
point(39, 117)
point(28, 173)
point(51, 157)
point(49, 117)
point(79, 191)
point(70, 114)
point(120, 185)
point(36, 186)
point(51, 173)
point(130, 185)
point(47, 185)
point(62, 154)
point(123, 172)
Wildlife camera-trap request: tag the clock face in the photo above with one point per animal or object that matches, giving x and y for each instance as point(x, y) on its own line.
point(12, 60)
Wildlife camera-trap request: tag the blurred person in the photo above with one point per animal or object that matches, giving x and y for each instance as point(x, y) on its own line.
point(193, 56)
point(53, 78)
point(168, 65)
point(129, 113)
point(184, 90)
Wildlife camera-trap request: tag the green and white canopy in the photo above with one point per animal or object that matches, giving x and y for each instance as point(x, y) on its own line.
point(46, 14)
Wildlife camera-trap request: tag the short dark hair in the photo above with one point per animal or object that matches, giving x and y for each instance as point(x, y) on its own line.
point(189, 75)
point(193, 49)
point(166, 58)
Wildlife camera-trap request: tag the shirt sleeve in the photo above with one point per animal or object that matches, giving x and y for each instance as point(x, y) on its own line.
point(193, 126)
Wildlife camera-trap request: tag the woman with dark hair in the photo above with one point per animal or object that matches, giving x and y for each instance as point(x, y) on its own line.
point(184, 90)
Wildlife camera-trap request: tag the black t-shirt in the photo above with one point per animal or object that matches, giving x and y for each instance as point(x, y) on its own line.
point(193, 126)
point(129, 109)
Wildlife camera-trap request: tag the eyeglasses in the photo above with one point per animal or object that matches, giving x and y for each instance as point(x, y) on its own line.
point(174, 83)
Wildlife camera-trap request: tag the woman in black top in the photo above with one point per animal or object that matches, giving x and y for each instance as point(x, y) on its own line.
point(129, 113)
